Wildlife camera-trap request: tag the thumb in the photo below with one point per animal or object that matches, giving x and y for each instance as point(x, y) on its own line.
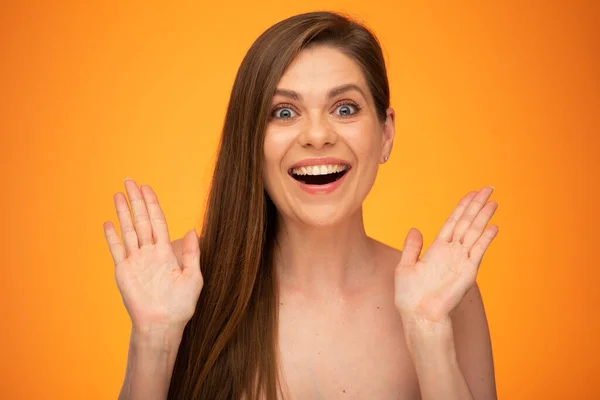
point(190, 257)
point(412, 248)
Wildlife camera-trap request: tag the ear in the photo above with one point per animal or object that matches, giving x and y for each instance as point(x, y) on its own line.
point(388, 131)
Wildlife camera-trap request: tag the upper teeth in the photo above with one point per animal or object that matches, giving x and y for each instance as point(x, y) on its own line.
point(319, 169)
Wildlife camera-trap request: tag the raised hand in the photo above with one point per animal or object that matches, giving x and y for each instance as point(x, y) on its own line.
point(430, 288)
point(157, 290)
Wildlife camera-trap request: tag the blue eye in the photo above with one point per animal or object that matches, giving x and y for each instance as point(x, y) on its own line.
point(284, 113)
point(345, 110)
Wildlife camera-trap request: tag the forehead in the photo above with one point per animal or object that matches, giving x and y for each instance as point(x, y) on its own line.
point(316, 69)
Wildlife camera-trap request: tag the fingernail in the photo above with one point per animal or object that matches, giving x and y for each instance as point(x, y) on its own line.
point(491, 187)
point(127, 179)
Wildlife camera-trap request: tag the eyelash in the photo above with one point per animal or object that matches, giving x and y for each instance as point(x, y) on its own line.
point(342, 103)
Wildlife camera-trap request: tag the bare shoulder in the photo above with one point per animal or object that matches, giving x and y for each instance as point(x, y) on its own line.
point(473, 344)
point(471, 331)
point(178, 248)
point(177, 245)
point(386, 255)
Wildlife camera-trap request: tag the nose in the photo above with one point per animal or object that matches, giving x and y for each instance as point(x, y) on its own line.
point(317, 133)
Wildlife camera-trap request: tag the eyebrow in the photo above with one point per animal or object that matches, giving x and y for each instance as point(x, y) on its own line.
point(332, 93)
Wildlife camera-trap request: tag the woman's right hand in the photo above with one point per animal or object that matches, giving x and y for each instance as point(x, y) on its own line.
point(159, 293)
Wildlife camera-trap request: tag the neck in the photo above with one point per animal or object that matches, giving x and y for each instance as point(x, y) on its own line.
point(328, 259)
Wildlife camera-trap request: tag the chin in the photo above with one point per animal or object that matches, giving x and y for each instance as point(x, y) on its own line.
point(322, 215)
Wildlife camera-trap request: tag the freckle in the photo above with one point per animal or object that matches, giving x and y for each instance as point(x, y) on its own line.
point(280, 304)
point(378, 307)
point(344, 390)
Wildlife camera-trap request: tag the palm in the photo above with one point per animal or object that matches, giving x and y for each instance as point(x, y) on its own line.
point(434, 285)
point(158, 290)
point(154, 287)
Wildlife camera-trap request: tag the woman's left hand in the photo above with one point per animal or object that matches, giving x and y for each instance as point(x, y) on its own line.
point(428, 289)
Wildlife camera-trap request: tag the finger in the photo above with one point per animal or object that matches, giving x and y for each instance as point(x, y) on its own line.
point(476, 253)
point(448, 228)
point(412, 247)
point(128, 233)
point(191, 253)
point(481, 221)
point(158, 222)
point(470, 213)
point(141, 220)
point(117, 250)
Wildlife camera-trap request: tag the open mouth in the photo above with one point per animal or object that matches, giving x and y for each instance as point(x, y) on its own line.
point(319, 175)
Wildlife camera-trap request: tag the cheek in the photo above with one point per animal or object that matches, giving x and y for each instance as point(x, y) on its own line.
point(365, 141)
point(274, 150)
point(276, 143)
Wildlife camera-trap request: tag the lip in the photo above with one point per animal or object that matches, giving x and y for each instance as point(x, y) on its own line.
point(320, 189)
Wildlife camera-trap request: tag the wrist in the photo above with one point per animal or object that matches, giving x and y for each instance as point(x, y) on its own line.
point(420, 323)
point(163, 339)
point(424, 335)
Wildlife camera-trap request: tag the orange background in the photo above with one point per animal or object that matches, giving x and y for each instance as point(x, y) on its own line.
point(485, 94)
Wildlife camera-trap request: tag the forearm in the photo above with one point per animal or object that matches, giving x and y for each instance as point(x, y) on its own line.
point(150, 364)
point(431, 346)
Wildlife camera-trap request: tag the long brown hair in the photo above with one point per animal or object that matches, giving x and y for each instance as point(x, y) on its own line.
point(229, 347)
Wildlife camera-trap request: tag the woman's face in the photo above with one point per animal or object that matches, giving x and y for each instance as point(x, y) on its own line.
point(323, 141)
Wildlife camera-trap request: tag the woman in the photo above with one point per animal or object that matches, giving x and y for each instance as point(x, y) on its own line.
point(284, 295)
